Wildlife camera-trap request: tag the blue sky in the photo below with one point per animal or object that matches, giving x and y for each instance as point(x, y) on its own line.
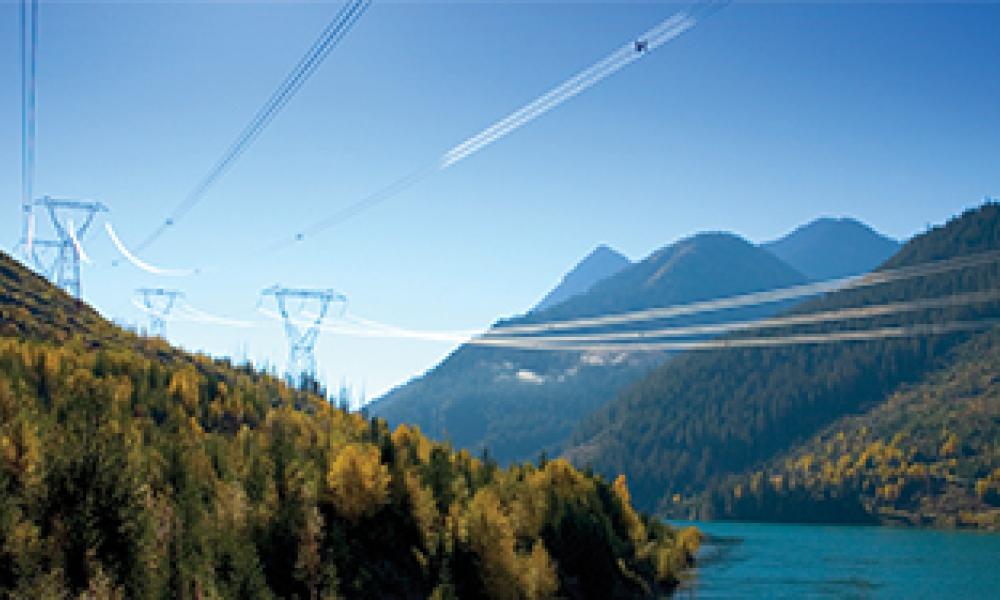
point(758, 120)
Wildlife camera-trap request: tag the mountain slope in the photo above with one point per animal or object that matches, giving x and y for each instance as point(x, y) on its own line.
point(601, 263)
point(827, 248)
point(928, 455)
point(129, 469)
point(707, 415)
point(516, 403)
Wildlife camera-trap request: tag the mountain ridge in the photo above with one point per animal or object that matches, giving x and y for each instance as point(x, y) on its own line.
point(704, 416)
point(516, 403)
point(831, 247)
point(602, 262)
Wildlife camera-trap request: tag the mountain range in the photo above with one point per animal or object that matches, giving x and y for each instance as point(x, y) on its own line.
point(516, 403)
point(900, 428)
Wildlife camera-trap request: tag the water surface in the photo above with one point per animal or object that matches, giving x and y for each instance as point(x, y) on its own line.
point(755, 560)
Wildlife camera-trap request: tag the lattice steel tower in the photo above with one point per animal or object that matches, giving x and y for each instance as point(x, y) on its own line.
point(302, 325)
point(157, 303)
point(59, 259)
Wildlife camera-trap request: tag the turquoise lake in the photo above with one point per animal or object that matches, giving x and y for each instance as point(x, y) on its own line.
point(754, 560)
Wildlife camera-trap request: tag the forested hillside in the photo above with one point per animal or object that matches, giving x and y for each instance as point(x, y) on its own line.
point(517, 403)
point(929, 455)
point(129, 469)
point(705, 416)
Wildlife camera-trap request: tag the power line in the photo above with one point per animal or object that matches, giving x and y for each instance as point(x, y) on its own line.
point(902, 331)
point(334, 32)
point(659, 35)
point(533, 332)
point(762, 297)
point(649, 339)
point(137, 262)
point(606, 343)
point(29, 52)
point(813, 318)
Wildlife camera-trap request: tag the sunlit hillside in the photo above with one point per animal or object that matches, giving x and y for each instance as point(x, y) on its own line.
point(130, 469)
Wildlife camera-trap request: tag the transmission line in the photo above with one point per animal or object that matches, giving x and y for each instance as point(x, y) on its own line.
point(334, 32)
point(762, 297)
point(916, 330)
point(667, 30)
point(649, 342)
point(29, 53)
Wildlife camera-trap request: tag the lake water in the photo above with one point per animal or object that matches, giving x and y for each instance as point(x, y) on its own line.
point(753, 560)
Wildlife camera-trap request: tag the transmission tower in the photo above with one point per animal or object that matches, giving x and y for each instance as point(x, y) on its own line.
point(157, 303)
point(303, 312)
point(70, 220)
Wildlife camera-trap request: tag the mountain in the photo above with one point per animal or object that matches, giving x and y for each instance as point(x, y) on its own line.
point(701, 267)
point(515, 403)
point(827, 248)
point(706, 417)
point(131, 469)
point(601, 263)
point(928, 455)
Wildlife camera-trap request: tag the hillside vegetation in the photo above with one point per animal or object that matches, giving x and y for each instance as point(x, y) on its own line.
point(929, 455)
point(517, 403)
point(129, 469)
point(707, 416)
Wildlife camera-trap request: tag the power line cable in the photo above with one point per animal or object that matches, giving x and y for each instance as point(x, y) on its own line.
point(755, 342)
point(762, 297)
point(667, 30)
point(29, 54)
point(812, 318)
point(637, 338)
point(335, 31)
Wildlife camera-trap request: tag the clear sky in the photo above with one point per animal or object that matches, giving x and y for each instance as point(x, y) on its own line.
point(760, 119)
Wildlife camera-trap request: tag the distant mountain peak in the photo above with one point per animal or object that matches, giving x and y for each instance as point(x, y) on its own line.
point(836, 225)
point(830, 247)
point(517, 402)
point(669, 257)
point(601, 263)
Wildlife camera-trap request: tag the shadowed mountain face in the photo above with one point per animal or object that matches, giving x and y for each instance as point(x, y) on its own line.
point(518, 402)
point(827, 248)
point(600, 264)
point(705, 417)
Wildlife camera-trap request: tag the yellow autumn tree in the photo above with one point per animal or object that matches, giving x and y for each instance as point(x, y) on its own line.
point(507, 574)
point(538, 574)
point(184, 387)
point(357, 483)
point(950, 445)
point(636, 529)
point(424, 509)
point(491, 536)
